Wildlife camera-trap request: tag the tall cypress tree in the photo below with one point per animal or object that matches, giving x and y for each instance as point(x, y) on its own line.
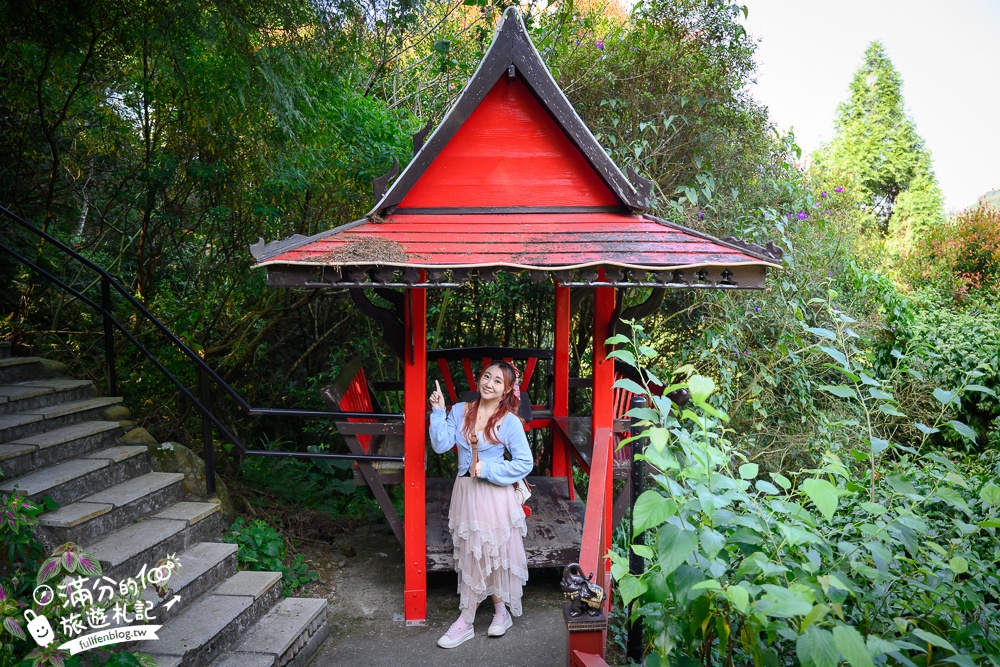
point(877, 143)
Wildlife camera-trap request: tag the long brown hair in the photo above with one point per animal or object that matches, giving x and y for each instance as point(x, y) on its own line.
point(509, 402)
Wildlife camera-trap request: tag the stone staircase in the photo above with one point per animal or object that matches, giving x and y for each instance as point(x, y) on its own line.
point(59, 440)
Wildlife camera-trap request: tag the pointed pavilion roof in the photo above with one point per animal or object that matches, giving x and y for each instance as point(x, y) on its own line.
point(512, 179)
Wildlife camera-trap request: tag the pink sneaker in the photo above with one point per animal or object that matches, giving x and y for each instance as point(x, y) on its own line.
point(502, 622)
point(459, 633)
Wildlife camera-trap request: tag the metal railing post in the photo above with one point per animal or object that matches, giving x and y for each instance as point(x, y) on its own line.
point(206, 433)
point(109, 337)
point(636, 563)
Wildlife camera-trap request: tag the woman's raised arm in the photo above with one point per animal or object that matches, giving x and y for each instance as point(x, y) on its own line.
point(445, 427)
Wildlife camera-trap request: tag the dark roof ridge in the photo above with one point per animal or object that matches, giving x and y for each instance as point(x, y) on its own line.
point(511, 47)
point(770, 253)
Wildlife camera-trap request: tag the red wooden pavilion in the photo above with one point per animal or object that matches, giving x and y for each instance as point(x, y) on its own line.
point(510, 180)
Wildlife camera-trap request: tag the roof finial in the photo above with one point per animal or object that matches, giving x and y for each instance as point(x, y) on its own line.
point(380, 184)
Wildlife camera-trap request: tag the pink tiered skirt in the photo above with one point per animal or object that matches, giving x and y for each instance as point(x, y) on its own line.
point(487, 528)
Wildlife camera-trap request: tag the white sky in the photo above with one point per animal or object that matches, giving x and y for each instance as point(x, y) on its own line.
point(948, 54)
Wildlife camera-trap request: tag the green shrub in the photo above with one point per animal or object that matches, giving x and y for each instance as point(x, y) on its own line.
point(260, 548)
point(881, 554)
point(961, 256)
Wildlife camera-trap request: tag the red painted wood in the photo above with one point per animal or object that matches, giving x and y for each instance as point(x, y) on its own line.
point(594, 542)
point(561, 461)
point(414, 438)
point(603, 400)
point(509, 153)
point(526, 373)
point(555, 261)
point(530, 240)
point(584, 247)
point(583, 659)
point(469, 375)
point(357, 399)
point(449, 383)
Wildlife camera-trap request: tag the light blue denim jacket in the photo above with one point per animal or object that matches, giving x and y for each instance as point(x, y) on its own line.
point(446, 431)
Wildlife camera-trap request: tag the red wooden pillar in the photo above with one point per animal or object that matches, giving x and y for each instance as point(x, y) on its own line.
point(561, 463)
point(604, 378)
point(414, 471)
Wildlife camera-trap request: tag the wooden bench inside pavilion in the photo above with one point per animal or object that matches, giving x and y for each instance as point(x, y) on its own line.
point(510, 180)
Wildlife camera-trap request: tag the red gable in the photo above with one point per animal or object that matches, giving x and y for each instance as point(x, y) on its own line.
point(509, 152)
point(513, 179)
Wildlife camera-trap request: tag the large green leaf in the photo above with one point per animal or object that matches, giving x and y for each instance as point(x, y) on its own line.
point(675, 546)
point(712, 542)
point(739, 597)
point(625, 355)
point(963, 430)
point(749, 470)
point(851, 645)
point(631, 587)
point(823, 494)
point(980, 388)
point(835, 354)
point(944, 397)
point(953, 498)
point(629, 385)
point(990, 494)
point(651, 509)
point(934, 640)
point(785, 603)
point(701, 388)
point(841, 390)
point(816, 648)
point(822, 333)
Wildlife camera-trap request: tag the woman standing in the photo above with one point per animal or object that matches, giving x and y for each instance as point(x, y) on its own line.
point(485, 519)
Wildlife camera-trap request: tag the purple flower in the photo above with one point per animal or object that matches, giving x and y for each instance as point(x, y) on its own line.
point(823, 194)
point(838, 189)
point(788, 215)
point(757, 309)
point(701, 214)
point(600, 44)
point(801, 215)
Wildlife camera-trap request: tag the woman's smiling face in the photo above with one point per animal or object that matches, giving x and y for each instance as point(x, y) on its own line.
point(491, 383)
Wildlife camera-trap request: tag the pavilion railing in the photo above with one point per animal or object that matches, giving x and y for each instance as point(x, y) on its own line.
point(112, 287)
point(586, 648)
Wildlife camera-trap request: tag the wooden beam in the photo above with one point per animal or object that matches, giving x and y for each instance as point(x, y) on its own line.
point(562, 465)
point(414, 473)
point(604, 411)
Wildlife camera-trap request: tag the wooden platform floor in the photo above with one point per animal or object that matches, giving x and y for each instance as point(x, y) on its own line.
point(555, 527)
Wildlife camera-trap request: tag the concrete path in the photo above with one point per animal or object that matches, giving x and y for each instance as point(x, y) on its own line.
point(366, 608)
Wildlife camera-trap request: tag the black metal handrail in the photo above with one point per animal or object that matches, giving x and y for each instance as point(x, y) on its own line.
point(206, 375)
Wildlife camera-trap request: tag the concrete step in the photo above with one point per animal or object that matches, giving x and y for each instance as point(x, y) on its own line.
point(288, 635)
point(213, 624)
point(19, 369)
point(92, 516)
point(34, 394)
point(72, 480)
point(202, 567)
point(22, 424)
point(124, 551)
point(50, 447)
